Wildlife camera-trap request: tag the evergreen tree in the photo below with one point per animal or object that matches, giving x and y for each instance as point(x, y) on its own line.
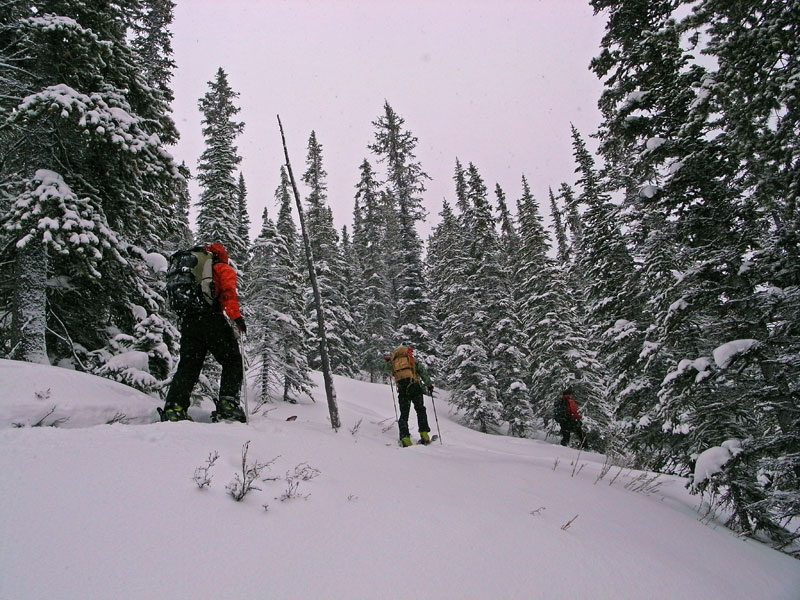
point(218, 217)
point(86, 179)
point(243, 218)
point(444, 272)
point(262, 290)
point(354, 294)
point(405, 182)
point(471, 336)
point(557, 353)
point(573, 222)
point(559, 230)
point(183, 236)
point(152, 43)
point(290, 304)
point(330, 269)
point(274, 293)
point(714, 153)
point(605, 267)
point(368, 241)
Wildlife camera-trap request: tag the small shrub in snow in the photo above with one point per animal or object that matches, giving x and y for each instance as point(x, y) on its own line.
point(202, 475)
point(302, 472)
point(242, 483)
point(291, 491)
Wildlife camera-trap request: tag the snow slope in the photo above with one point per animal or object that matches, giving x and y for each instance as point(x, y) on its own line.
point(90, 510)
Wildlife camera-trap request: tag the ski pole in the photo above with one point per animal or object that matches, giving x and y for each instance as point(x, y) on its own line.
point(438, 431)
point(394, 403)
point(245, 365)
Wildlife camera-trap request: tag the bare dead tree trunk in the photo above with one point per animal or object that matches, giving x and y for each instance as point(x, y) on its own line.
point(333, 409)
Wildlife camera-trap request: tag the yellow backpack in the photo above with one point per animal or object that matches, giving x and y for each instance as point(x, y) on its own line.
point(403, 364)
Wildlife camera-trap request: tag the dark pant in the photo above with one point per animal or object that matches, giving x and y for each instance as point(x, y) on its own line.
point(567, 427)
point(408, 392)
point(201, 334)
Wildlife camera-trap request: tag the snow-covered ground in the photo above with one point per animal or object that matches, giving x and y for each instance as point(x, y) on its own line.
point(91, 510)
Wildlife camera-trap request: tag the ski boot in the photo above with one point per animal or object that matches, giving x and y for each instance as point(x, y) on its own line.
point(173, 412)
point(424, 438)
point(228, 409)
point(406, 441)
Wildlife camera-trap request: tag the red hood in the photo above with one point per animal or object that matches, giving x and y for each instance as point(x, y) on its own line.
point(219, 251)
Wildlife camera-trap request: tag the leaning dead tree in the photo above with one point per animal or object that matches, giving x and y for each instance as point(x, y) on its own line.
point(333, 409)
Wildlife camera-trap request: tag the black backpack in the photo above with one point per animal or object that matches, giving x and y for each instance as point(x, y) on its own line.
point(190, 280)
point(560, 410)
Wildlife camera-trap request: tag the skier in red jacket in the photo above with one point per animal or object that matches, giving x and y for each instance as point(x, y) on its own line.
point(567, 416)
point(203, 330)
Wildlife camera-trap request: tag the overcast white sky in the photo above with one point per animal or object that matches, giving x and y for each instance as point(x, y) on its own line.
point(494, 82)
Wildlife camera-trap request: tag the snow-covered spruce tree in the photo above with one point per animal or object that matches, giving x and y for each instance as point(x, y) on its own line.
point(243, 218)
point(605, 267)
point(274, 305)
point(647, 95)
point(353, 291)
point(142, 360)
point(218, 217)
point(369, 234)
point(261, 290)
point(559, 230)
point(152, 45)
point(405, 182)
point(559, 352)
point(722, 142)
point(573, 223)
point(183, 237)
point(470, 337)
point(754, 89)
point(512, 363)
point(687, 178)
point(510, 349)
point(330, 267)
point(85, 177)
point(509, 242)
point(290, 304)
point(493, 284)
point(443, 272)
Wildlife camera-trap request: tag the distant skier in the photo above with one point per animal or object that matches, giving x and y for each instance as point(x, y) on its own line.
point(565, 413)
point(410, 375)
point(203, 330)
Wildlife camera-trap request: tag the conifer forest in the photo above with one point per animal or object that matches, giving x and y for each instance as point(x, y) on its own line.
point(662, 284)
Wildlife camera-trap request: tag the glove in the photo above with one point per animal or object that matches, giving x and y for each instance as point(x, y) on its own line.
point(430, 389)
point(240, 325)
